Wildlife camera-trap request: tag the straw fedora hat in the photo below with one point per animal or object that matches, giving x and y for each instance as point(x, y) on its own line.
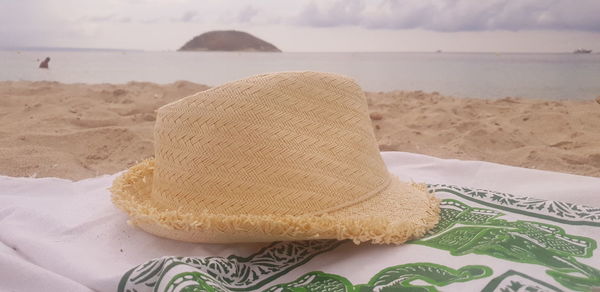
point(281, 156)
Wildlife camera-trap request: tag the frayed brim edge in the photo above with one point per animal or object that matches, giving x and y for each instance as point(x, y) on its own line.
point(131, 193)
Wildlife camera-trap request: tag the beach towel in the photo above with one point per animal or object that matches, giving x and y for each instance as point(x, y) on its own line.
point(503, 229)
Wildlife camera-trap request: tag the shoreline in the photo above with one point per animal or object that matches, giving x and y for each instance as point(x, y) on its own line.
point(79, 130)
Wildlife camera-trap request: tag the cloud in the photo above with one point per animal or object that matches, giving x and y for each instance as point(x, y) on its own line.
point(134, 23)
point(150, 20)
point(29, 23)
point(338, 14)
point(455, 15)
point(102, 18)
point(246, 14)
point(188, 16)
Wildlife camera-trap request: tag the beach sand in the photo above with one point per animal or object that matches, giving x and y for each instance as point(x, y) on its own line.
point(76, 131)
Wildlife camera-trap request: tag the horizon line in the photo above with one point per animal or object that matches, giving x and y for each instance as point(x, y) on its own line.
point(74, 49)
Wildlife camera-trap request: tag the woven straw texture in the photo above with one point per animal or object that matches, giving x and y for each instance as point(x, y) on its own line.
point(281, 156)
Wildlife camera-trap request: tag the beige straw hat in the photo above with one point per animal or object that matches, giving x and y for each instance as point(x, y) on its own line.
point(282, 156)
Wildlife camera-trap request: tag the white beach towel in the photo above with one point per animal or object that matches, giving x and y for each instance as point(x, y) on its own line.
point(58, 235)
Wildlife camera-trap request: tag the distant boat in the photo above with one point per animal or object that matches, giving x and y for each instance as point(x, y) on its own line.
point(582, 51)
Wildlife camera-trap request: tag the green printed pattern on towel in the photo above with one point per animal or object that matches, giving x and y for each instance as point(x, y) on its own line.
point(315, 281)
point(466, 230)
point(400, 278)
point(513, 281)
point(561, 212)
point(233, 272)
point(463, 230)
point(396, 278)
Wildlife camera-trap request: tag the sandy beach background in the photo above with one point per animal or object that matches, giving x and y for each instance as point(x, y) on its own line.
point(76, 131)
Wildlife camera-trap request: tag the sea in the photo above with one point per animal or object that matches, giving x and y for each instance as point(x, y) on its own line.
point(474, 75)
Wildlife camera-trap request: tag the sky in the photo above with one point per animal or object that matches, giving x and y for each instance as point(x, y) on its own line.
point(308, 26)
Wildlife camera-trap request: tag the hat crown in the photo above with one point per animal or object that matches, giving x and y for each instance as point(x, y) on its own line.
point(276, 144)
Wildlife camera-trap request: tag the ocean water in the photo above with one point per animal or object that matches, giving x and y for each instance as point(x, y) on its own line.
point(480, 75)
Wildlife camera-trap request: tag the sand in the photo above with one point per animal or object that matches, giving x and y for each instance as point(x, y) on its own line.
point(76, 131)
point(79, 131)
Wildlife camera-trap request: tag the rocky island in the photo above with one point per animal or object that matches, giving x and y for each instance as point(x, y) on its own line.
point(228, 40)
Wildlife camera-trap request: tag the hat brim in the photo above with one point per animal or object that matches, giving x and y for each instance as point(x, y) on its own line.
point(401, 212)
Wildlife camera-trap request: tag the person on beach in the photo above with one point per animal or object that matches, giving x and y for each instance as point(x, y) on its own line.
point(44, 64)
